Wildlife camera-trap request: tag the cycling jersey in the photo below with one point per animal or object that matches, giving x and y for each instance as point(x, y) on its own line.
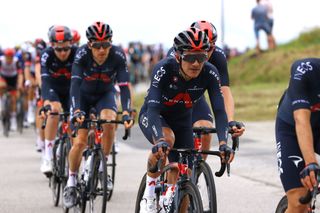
point(10, 70)
point(29, 61)
point(172, 98)
point(303, 93)
point(91, 79)
point(55, 74)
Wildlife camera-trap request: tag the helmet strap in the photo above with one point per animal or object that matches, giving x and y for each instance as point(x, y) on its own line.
point(181, 71)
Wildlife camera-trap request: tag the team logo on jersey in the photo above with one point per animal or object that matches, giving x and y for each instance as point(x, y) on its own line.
point(315, 107)
point(302, 69)
point(180, 98)
point(175, 79)
point(295, 159)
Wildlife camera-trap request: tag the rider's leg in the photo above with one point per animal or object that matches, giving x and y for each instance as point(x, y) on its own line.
point(51, 129)
point(205, 139)
point(294, 206)
point(108, 130)
point(75, 155)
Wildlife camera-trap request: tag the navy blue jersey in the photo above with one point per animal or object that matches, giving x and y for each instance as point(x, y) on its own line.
point(303, 91)
point(55, 74)
point(219, 60)
point(92, 79)
point(173, 97)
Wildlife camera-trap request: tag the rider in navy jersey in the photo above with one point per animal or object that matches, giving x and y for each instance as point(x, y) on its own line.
point(56, 63)
point(202, 115)
point(165, 118)
point(298, 132)
point(97, 66)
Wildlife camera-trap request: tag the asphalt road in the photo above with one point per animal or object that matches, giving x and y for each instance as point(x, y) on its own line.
point(253, 186)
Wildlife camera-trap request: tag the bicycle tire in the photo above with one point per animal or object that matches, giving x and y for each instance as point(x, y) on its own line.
point(6, 114)
point(55, 183)
point(20, 114)
point(98, 184)
point(142, 188)
point(111, 165)
point(190, 190)
point(282, 205)
point(208, 191)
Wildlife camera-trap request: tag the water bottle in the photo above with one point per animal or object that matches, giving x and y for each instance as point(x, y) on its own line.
point(87, 168)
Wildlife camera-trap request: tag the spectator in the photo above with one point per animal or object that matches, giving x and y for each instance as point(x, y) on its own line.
point(268, 5)
point(259, 15)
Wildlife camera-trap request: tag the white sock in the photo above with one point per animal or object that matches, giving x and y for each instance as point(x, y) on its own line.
point(100, 166)
point(150, 187)
point(72, 180)
point(48, 149)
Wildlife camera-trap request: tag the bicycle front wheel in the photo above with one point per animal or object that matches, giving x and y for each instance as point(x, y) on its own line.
point(98, 184)
point(189, 199)
point(282, 205)
point(111, 165)
point(140, 194)
point(207, 188)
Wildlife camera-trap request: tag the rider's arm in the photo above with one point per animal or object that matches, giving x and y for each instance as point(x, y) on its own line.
point(20, 75)
point(217, 104)
point(45, 77)
point(301, 78)
point(219, 60)
point(154, 102)
point(76, 79)
point(304, 134)
point(27, 66)
point(123, 81)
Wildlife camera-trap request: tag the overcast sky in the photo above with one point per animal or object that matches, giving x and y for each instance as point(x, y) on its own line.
point(152, 21)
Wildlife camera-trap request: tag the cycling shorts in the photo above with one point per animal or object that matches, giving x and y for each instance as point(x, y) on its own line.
point(183, 136)
point(290, 160)
point(201, 111)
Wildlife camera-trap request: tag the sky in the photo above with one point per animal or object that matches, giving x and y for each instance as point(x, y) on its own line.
point(152, 21)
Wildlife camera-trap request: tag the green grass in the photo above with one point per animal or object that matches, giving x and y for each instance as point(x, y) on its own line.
point(257, 82)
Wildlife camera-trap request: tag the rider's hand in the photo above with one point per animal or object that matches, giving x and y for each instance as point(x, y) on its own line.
point(161, 149)
point(45, 111)
point(128, 121)
point(78, 117)
point(309, 175)
point(227, 153)
point(237, 128)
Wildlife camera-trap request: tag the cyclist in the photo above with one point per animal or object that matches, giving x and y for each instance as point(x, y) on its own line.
point(298, 132)
point(75, 37)
point(40, 45)
point(177, 83)
point(97, 65)
point(29, 57)
point(201, 115)
point(11, 78)
point(56, 64)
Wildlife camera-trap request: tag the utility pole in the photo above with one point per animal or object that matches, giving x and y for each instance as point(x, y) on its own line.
point(222, 22)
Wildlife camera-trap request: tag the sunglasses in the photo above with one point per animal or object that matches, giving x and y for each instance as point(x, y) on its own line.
point(60, 49)
point(98, 45)
point(191, 58)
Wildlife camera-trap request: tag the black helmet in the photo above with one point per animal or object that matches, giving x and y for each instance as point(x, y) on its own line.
point(98, 31)
point(59, 34)
point(208, 28)
point(191, 39)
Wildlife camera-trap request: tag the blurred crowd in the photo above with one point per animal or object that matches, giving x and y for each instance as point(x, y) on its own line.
point(141, 57)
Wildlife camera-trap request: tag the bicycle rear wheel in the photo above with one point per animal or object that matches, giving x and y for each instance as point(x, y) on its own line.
point(111, 166)
point(6, 114)
point(282, 205)
point(98, 184)
point(55, 182)
point(20, 114)
point(189, 199)
point(207, 188)
point(141, 190)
